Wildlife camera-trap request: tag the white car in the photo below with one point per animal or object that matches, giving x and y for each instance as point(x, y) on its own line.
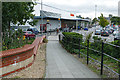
point(117, 36)
point(115, 32)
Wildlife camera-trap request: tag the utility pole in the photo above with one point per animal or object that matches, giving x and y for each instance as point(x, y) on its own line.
point(95, 13)
point(42, 15)
point(95, 10)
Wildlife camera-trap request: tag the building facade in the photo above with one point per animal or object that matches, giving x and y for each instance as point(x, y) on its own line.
point(52, 21)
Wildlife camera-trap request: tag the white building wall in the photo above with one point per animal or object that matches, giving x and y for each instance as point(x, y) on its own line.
point(54, 24)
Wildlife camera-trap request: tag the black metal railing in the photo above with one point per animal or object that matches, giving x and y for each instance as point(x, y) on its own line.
point(67, 43)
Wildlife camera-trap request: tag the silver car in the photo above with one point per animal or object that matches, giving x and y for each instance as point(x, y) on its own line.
point(117, 36)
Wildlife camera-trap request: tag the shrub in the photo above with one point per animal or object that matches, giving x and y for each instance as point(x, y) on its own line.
point(72, 38)
point(45, 40)
point(14, 39)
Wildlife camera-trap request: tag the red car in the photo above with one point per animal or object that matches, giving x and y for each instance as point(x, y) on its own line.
point(29, 34)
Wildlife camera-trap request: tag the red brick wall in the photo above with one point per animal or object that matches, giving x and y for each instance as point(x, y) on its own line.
point(11, 56)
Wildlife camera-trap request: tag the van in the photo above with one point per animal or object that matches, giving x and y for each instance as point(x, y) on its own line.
point(34, 30)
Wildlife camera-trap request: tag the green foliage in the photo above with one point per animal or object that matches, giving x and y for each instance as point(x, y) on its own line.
point(94, 20)
point(14, 39)
point(45, 40)
point(103, 22)
point(79, 16)
point(108, 49)
point(88, 36)
point(73, 35)
point(115, 20)
point(72, 47)
point(96, 38)
point(71, 38)
point(32, 23)
point(16, 12)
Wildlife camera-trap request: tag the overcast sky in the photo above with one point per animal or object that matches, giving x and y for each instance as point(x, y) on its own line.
point(85, 8)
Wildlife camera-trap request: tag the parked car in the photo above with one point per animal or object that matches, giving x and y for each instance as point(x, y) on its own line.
point(97, 32)
point(65, 29)
point(29, 34)
point(110, 31)
point(115, 32)
point(34, 30)
point(100, 29)
point(86, 29)
point(117, 36)
point(104, 33)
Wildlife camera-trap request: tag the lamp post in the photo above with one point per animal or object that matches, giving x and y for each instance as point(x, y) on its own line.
point(42, 15)
point(95, 13)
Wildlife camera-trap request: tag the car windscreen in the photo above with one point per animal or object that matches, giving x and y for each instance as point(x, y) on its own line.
point(29, 32)
point(35, 29)
point(98, 31)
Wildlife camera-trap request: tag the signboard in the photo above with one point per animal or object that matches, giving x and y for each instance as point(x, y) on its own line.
point(71, 14)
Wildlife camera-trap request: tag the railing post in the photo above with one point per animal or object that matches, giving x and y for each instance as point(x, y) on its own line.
point(102, 58)
point(87, 52)
point(79, 48)
point(68, 42)
point(59, 37)
point(72, 45)
point(119, 70)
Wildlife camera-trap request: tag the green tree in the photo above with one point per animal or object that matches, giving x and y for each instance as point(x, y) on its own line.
point(79, 16)
point(94, 20)
point(103, 22)
point(16, 12)
point(115, 20)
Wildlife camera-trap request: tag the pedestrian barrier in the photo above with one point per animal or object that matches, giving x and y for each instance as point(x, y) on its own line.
point(66, 41)
point(14, 60)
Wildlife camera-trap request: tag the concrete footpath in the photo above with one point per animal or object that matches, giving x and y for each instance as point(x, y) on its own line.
point(61, 64)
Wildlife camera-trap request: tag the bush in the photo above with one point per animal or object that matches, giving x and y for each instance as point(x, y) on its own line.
point(96, 38)
point(14, 39)
point(45, 40)
point(72, 38)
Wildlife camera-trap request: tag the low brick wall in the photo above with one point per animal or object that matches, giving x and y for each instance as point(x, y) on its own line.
point(20, 58)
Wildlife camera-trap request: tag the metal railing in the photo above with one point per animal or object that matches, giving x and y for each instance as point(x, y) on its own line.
point(66, 41)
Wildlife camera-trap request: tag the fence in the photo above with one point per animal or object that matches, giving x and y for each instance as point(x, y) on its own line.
point(71, 45)
point(14, 60)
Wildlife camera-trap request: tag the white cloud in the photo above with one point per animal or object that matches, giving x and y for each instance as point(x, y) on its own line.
point(84, 7)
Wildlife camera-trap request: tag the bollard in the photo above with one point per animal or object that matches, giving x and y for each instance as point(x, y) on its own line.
point(119, 69)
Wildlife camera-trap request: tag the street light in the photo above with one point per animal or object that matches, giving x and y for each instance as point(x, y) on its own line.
point(95, 13)
point(42, 15)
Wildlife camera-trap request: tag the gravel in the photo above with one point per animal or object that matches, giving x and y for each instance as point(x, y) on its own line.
point(37, 70)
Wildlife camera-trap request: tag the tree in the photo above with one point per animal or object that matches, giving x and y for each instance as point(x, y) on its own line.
point(79, 16)
point(110, 15)
point(103, 22)
point(33, 22)
point(115, 20)
point(16, 12)
point(94, 20)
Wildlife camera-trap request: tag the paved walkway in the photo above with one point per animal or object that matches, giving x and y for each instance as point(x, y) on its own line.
point(61, 64)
